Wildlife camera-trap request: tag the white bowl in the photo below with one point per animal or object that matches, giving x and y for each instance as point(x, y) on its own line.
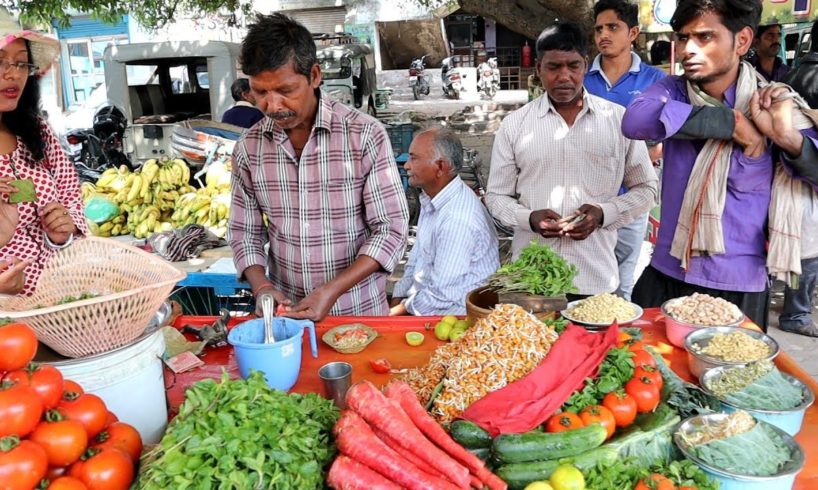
point(598, 326)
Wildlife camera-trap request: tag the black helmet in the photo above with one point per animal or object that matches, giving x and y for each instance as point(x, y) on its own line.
point(109, 120)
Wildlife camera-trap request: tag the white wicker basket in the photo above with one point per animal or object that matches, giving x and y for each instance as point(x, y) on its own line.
point(132, 284)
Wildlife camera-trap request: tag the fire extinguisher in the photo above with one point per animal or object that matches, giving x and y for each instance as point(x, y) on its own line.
point(526, 55)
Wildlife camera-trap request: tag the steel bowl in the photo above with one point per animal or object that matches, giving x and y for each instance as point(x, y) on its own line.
point(789, 421)
point(783, 480)
point(677, 330)
point(699, 363)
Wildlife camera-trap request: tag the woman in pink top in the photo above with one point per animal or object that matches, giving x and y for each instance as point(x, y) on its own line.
point(31, 231)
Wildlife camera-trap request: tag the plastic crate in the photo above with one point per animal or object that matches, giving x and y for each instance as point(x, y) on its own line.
point(401, 137)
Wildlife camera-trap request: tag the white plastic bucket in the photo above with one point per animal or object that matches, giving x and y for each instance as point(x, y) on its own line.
point(130, 382)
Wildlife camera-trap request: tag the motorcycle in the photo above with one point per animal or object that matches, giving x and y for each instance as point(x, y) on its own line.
point(97, 149)
point(452, 78)
point(488, 81)
point(418, 79)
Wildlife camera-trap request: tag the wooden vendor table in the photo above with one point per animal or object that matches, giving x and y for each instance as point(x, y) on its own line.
point(392, 346)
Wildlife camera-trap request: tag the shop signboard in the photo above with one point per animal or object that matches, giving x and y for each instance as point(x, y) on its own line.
point(654, 15)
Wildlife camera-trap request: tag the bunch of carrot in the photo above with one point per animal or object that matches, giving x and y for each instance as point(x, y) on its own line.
point(389, 442)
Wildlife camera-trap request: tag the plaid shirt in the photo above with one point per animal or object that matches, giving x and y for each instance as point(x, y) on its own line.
point(342, 199)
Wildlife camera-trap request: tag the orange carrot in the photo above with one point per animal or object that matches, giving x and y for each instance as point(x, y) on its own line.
point(348, 474)
point(361, 444)
point(400, 392)
point(368, 402)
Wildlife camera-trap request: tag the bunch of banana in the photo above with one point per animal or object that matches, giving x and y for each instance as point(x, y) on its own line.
point(113, 227)
point(114, 181)
point(201, 208)
point(88, 190)
point(173, 174)
point(218, 176)
point(146, 220)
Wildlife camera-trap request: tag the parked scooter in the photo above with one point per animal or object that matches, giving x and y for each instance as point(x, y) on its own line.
point(418, 79)
point(488, 81)
point(99, 148)
point(452, 78)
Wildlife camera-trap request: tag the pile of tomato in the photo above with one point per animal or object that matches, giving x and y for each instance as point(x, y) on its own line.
point(52, 434)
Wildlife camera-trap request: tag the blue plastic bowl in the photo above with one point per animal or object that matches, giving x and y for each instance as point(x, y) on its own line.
point(789, 421)
point(280, 361)
point(783, 480)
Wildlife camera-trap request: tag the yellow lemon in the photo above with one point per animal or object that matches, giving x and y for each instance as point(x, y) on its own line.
point(539, 485)
point(442, 330)
point(450, 319)
point(415, 338)
point(567, 477)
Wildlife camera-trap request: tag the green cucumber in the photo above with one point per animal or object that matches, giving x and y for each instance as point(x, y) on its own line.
point(542, 446)
point(469, 435)
point(481, 452)
point(519, 475)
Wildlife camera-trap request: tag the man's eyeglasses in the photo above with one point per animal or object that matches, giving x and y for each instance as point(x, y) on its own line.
point(18, 67)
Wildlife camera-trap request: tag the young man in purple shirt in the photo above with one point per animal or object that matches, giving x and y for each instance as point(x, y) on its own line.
point(697, 111)
point(618, 75)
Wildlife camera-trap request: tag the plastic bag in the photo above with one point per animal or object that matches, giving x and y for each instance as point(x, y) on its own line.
point(100, 209)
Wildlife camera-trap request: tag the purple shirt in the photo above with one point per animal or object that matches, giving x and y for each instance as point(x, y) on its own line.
point(658, 114)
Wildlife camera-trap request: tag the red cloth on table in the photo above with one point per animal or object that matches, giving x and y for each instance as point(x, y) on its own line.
point(529, 401)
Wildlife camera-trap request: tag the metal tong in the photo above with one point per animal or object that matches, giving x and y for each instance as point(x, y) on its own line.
point(267, 311)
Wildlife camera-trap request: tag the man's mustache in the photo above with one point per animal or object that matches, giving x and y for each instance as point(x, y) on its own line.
point(281, 114)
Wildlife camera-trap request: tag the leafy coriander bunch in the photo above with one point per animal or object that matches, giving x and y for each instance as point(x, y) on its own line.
point(539, 271)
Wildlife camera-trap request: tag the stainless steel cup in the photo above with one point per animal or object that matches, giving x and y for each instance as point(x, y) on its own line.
point(337, 377)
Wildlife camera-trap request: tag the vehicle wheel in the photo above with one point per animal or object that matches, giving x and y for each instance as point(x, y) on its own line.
point(416, 92)
point(413, 200)
point(492, 92)
point(370, 109)
point(456, 94)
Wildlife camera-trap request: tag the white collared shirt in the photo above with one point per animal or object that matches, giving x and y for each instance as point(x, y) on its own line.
point(455, 252)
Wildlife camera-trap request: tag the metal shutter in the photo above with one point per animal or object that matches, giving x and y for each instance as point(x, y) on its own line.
point(320, 20)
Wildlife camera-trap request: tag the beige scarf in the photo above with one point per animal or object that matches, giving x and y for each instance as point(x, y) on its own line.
point(699, 229)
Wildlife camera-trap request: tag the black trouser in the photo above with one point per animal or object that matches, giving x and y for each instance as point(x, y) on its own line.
point(654, 288)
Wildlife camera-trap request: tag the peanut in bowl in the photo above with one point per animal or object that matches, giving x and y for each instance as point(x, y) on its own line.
point(700, 358)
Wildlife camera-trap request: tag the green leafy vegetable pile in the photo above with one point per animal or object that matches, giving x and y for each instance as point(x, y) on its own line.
point(616, 369)
point(688, 399)
point(539, 271)
point(243, 434)
point(624, 474)
point(759, 451)
point(759, 386)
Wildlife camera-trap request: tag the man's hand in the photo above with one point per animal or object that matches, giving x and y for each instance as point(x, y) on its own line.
point(771, 109)
point(13, 275)
point(545, 222)
point(281, 300)
point(398, 309)
point(314, 307)
point(57, 222)
point(748, 136)
point(580, 230)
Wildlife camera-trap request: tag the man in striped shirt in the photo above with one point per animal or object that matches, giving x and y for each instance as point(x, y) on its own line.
point(316, 181)
point(559, 161)
point(456, 247)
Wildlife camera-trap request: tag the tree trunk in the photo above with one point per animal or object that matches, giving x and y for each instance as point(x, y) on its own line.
point(530, 17)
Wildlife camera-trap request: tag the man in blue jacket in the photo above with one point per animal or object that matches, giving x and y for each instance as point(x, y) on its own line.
point(244, 113)
point(618, 75)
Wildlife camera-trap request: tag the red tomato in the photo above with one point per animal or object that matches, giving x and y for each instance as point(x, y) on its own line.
point(66, 483)
point(622, 337)
point(622, 406)
point(651, 373)
point(563, 421)
point(597, 414)
point(18, 343)
point(54, 472)
point(20, 411)
point(22, 464)
point(655, 482)
point(642, 357)
point(69, 386)
point(645, 393)
point(688, 487)
point(122, 436)
point(381, 365)
point(45, 380)
point(87, 409)
point(64, 441)
point(111, 418)
point(106, 469)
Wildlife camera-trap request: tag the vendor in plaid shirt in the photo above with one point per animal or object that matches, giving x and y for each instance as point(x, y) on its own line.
point(317, 181)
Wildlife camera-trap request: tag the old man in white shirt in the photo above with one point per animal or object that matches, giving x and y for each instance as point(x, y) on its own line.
point(456, 246)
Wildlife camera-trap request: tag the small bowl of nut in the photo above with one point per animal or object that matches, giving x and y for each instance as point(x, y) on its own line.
point(712, 347)
point(688, 313)
point(601, 311)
